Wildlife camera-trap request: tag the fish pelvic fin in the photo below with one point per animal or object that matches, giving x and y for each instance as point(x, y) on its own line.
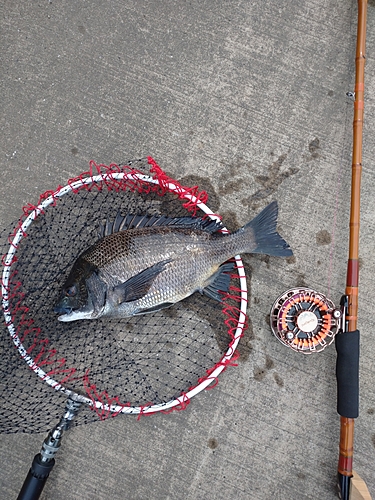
point(219, 282)
point(137, 286)
point(153, 309)
point(263, 229)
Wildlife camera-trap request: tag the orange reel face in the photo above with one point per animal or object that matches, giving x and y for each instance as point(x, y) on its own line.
point(305, 320)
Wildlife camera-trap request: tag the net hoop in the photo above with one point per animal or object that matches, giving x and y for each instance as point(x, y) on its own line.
point(209, 380)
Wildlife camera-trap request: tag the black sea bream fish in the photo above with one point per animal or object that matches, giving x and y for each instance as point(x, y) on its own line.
point(143, 264)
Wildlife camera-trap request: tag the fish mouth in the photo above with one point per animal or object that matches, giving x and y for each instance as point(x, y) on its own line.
point(66, 313)
point(70, 314)
point(75, 315)
point(63, 310)
point(67, 317)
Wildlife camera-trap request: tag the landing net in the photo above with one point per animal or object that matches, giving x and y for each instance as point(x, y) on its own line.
point(140, 365)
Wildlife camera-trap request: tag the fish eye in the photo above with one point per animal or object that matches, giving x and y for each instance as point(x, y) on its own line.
point(71, 291)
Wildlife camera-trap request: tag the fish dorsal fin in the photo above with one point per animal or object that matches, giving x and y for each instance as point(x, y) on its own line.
point(132, 221)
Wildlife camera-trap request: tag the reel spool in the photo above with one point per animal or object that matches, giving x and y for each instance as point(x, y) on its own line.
point(305, 320)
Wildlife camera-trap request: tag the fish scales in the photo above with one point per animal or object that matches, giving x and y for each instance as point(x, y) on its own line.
point(195, 257)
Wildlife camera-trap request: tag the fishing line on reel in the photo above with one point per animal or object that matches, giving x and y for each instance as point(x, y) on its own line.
point(305, 321)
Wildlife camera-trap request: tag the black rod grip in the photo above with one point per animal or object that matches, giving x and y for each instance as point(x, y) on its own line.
point(35, 479)
point(343, 483)
point(347, 373)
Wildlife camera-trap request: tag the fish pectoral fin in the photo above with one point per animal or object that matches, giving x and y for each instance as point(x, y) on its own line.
point(219, 282)
point(137, 286)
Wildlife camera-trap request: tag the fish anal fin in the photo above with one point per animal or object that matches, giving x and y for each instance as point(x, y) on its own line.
point(137, 286)
point(219, 282)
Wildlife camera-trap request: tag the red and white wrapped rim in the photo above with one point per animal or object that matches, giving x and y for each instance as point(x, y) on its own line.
point(139, 179)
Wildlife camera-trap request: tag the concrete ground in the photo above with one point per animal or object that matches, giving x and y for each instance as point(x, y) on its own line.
point(248, 100)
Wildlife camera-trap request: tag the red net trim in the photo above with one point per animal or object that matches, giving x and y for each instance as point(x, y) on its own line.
point(111, 183)
point(45, 356)
point(104, 398)
point(164, 181)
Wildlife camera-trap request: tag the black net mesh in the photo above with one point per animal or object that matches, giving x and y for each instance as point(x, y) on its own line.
point(145, 359)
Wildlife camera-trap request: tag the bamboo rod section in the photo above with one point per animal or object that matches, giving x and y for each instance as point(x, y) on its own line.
point(345, 464)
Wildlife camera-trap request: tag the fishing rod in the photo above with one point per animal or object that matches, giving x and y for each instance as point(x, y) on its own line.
point(347, 342)
point(307, 321)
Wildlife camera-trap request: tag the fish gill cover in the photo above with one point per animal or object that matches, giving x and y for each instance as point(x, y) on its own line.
point(131, 362)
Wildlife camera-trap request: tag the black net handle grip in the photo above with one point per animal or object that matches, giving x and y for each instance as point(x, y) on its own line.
point(35, 479)
point(347, 373)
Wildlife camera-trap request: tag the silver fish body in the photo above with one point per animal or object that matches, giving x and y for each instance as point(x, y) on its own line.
point(144, 269)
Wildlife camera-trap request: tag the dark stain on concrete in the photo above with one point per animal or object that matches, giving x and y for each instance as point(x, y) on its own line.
point(323, 237)
point(204, 184)
point(232, 179)
point(238, 166)
point(269, 362)
point(232, 186)
point(279, 381)
point(291, 260)
point(230, 220)
point(172, 206)
point(314, 149)
point(74, 151)
point(373, 440)
point(212, 443)
point(266, 259)
point(259, 373)
point(271, 182)
point(301, 280)
point(371, 411)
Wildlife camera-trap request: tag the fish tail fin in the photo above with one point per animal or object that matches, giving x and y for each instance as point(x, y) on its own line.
point(263, 229)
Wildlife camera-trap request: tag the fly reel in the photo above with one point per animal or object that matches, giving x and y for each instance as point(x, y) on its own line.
point(305, 320)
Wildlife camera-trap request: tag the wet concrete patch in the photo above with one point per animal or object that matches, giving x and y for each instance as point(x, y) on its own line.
point(213, 443)
point(271, 182)
point(279, 381)
point(314, 149)
point(261, 372)
point(323, 237)
point(204, 184)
